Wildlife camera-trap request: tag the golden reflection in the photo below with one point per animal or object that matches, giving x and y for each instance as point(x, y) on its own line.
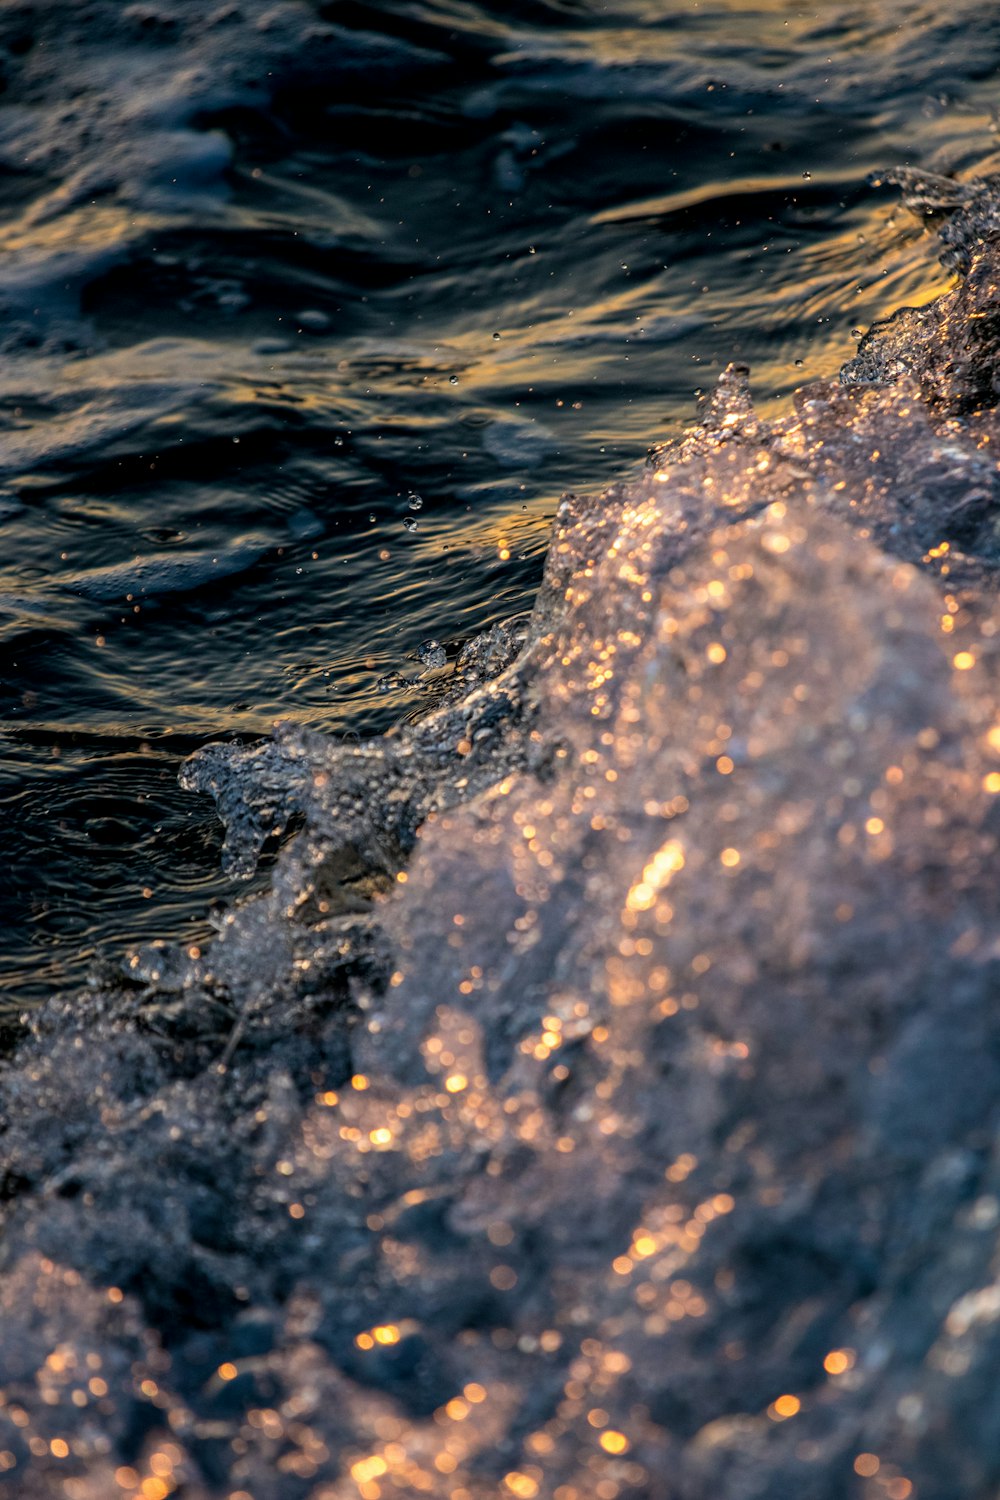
point(784, 1407)
point(657, 874)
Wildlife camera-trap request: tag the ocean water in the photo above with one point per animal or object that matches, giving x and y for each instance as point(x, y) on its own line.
point(310, 312)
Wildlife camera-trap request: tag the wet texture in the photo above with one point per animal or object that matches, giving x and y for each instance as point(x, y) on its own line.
point(311, 309)
point(603, 1097)
point(950, 347)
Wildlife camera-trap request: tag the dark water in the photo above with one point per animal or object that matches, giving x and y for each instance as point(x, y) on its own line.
point(309, 314)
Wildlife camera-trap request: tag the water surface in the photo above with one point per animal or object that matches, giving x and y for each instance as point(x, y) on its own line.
point(311, 312)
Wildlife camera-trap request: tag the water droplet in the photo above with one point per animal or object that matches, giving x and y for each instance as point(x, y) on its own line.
point(409, 523)
point(414, 501)
point(799, 363)
point(453, 380)
point(496, 338)
point(857, 333)
point(807, 177)
point(372, 518)
point(338, 442)
point(432, 654)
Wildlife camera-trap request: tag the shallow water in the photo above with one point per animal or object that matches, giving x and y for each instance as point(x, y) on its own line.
point(272, 272)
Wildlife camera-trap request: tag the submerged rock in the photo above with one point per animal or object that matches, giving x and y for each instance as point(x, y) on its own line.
point(603, 1099)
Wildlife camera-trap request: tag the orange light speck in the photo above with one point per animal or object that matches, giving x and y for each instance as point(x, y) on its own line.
point(367, 1469)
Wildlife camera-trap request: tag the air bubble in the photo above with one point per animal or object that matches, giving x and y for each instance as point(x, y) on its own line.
point(409, 524)
point(415, 501)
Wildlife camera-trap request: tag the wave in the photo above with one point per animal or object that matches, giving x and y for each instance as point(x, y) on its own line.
point(601, 1097)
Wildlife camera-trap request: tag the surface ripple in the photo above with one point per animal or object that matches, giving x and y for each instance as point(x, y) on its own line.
point(267, 272)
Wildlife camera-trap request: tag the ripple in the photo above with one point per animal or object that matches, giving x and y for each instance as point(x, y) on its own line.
point(98, 847)
point(269, 271)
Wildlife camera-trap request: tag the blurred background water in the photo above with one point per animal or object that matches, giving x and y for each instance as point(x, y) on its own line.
point(308, 314)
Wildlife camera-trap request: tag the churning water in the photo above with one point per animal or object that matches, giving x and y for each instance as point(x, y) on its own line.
point(311, 311)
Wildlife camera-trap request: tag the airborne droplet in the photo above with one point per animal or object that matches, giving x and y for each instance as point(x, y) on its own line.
point(432, 654)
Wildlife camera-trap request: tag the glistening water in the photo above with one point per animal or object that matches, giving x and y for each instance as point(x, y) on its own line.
point(309, 312)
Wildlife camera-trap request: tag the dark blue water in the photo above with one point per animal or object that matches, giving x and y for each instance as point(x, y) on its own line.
point(309, 312)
